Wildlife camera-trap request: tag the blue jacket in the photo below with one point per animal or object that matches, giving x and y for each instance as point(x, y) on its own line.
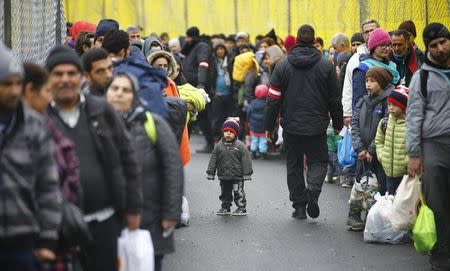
point(255, 115)
point(151, 81)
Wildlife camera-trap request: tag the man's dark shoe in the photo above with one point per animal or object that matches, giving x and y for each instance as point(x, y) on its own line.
point(312, 208)
point(439, 262)
point(299, 213)
point(206, 149)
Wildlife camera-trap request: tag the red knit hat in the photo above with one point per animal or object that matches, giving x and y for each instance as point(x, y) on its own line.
point(232, 125)
point(399, 97)
point(289, 42)
point(378, 37)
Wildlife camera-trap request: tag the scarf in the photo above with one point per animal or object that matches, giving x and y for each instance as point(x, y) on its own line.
point(187, 48)
point(391, 67)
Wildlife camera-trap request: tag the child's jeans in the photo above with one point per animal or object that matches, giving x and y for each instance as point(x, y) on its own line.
point(333, 165)
point(228, 189)
point(392, 184)
point(259, 143)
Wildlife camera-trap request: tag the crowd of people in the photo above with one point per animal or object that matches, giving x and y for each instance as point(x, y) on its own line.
point(95, 140)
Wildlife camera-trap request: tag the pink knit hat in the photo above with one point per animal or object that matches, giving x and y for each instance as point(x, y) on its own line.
point(378, 37)
point(261, 91)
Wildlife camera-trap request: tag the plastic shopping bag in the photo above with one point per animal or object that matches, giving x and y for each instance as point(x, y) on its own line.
point(135, 251)
point(406, 201)
point(364, 189)
point(424, 229)
point(185, 215)
point(378, 226)
point(346, 154)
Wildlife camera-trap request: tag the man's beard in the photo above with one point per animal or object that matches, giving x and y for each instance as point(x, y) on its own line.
point(441, 58)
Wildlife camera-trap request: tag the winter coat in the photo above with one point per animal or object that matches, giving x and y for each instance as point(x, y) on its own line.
point(255, 115)
point(227, 64)
point(359, 76)
point(407, 65)
point(391, 147)
point(151, 81)
point(231, 160)
point(427, 117)
point(30, 198)
point(161, 178)
point(148, 46)
point(197, 64)
point(173, 70)
point(251, 81)
point(305, 88)
point(347, 90)
point(116, 153)
point(368, 113)
point(332, 139)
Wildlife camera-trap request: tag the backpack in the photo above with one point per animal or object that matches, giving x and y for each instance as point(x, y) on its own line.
point(150, 127)
point(423, 82)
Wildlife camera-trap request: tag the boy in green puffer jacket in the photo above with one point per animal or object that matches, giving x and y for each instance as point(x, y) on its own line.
point(391, 139)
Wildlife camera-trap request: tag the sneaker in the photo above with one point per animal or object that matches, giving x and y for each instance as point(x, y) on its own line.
point(347, 183)
point(355, 224)
point(312, 208)
point(239, 212)
point(224, 211)
point(299, 213)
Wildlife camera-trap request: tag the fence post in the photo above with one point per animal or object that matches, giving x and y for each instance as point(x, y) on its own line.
point(7, 23)
point(236, 19)
point(186, 14)
point(58, 23)
point(362, 11)
point(289, 16)
point(427, 18)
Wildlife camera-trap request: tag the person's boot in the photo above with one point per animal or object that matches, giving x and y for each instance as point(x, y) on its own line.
point(254, 155)
point(299, 213)
point(208, 148)
point(354, 221)
point(312, 208)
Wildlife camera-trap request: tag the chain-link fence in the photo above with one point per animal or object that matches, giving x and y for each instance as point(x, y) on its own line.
point(32, 27)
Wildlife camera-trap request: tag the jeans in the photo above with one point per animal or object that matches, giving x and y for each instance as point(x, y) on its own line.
point(316, 150)
point(259, 143)
point(333, 165)
point(228, 189)
point(17, 260)
point(392, 184)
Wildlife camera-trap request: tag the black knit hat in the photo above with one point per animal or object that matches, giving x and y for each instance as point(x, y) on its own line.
point(357, 37)
point(434, 31)
point(193, 32)
point(63, 55)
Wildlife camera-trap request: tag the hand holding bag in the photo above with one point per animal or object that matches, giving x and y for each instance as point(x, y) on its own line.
point(135, 251)
point(73, 230)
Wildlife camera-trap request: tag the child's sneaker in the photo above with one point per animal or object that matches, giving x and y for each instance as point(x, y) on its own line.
point(224, 211)
point(240, 212)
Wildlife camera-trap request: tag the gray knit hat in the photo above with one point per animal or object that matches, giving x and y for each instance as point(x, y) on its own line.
point(9, 64)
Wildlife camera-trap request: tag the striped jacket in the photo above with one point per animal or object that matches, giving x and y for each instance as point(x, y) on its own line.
point(29, 190)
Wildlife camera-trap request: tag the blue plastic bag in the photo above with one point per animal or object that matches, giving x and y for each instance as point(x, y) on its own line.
point(346, 155)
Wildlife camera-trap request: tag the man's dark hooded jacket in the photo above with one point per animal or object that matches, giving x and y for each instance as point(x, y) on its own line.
point(306, 89)
point(197, 62)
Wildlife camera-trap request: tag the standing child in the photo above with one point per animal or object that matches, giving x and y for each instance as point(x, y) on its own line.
point(255, 116)
point(231, 159)
point(368, 113)
point(333, 164)
point(391, 139)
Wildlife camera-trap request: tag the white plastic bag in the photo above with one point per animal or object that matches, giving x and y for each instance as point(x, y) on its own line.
point(406, 201)
point(280, 136)
point(378, 226)
point(185, 215)
point(364, 191)
point(135, 251)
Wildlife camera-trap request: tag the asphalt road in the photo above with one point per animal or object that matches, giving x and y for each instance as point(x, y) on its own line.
point(268, 238)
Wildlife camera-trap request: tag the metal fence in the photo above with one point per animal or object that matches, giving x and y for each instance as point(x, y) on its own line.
point(32, 27)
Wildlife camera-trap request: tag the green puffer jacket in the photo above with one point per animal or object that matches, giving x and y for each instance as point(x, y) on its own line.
point(391, 147)
point(231, 160)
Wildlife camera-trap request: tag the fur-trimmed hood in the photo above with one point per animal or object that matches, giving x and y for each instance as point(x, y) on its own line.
point(173, 66)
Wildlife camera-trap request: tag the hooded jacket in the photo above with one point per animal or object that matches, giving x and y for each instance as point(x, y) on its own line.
point(30, 199)
point(197, 64)
point(305, 88)
point(161, 172)
point(368, 113)
point(428, 117)
point(148, 45)
point(173, 71)
point(231, 160)
point(407, 65)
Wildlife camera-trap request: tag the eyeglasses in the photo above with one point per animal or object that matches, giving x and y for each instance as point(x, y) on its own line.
point(386, 46)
